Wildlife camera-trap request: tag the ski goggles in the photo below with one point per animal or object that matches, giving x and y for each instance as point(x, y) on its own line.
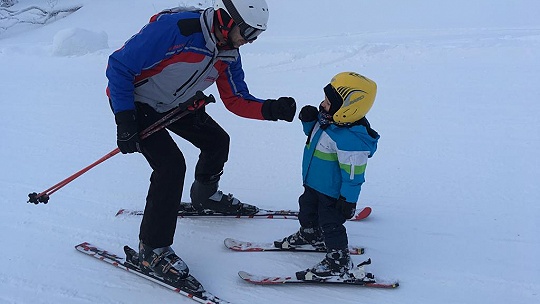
point(249, 33)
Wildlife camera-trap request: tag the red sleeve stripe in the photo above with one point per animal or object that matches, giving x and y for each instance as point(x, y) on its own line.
point(234, 102)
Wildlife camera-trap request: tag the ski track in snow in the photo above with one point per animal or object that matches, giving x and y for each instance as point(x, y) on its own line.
point(328, 51)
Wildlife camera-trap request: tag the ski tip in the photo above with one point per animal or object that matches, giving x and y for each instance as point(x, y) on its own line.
point(82, 245)
point(258, 280)
point(362, 214)
point(230, 243)
point(244, 275)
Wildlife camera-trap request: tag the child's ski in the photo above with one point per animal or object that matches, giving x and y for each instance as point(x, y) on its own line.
point(277, 280)
point(237, 245)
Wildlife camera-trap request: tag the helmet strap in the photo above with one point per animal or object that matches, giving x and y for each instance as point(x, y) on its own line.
point(225, 24)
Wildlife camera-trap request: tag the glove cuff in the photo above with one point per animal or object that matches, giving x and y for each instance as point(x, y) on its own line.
point(123, 117)
point(266, 110)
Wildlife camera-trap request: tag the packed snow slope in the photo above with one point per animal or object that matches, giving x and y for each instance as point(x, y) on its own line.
point(453, 186)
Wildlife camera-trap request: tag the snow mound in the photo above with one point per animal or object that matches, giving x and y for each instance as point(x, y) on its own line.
point(76, 42)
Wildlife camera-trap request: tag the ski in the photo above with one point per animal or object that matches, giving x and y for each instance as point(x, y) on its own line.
point(189, 287)
point(237, 245)
point(276, 280)
point(368, 279)
point(187, 211)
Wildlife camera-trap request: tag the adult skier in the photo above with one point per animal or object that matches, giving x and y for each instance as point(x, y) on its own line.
point(178, 53)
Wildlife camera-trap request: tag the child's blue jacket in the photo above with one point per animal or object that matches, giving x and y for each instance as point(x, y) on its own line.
point(335, 159)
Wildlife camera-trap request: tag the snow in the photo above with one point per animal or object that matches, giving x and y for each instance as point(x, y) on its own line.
point(453, 186)
point(76, 41)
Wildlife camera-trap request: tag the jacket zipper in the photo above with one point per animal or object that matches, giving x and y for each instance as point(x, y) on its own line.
point(185, 83)
point(192, 76)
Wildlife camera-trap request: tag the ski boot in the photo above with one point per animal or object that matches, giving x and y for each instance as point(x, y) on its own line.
point(208, 197)
point(336, 266)
point(162, 262)
point(304, 236)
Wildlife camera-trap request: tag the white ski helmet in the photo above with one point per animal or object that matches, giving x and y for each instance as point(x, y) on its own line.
point(251, 16)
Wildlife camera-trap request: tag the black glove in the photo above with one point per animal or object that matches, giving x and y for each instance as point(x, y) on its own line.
point(308, 113)
point(199, 101)
point(127, 133)
point(283, 108)
point(346, 208)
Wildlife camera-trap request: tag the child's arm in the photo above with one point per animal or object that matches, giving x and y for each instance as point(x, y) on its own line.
point(308, 126)
point(308, 116)
point(353, 166)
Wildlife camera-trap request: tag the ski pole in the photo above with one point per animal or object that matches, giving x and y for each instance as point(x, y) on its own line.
point(196, 102)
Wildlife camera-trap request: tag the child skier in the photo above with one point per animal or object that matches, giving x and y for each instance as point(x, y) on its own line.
point(340, 140)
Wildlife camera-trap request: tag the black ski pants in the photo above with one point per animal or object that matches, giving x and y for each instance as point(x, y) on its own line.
point(317, 209)
point(169, 167)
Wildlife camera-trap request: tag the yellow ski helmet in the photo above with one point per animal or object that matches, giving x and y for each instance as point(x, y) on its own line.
point(351, 96)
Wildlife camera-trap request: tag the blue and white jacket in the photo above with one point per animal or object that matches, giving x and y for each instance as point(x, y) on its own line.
point(170, 59)
point(335, 159)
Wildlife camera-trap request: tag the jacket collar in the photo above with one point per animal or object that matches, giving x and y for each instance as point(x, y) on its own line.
point(207, 25)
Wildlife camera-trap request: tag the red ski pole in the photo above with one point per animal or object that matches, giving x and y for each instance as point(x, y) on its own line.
point(197, 101)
